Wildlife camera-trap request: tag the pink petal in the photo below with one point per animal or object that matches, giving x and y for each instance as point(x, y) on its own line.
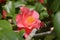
point(25, 35)
point(18, 17)
point(19, 21)
point(20, 25)
point(41, 1)
point(19, 28)
point(35, 14)
point(27, 30)
point(24, 10)
point(4, 14)
point(42, 24)
point(36, 24)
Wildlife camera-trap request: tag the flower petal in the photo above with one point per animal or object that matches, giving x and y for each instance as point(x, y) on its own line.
point(24, 10)
point(41, 1)
point(19, 21)
point(25, 35)
point(20, 25)
point(35, 14)
point(18, 17)
point(19, 28)
point(27, 30)
point(4, 14)
point(36, 24)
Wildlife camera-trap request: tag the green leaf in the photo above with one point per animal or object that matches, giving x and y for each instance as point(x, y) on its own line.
point(43, 15)
point(21, 35)
point(53, 5)
point(31, 7)
point(39, 7)
point(56, 22)
point(45, 1)
point(9, 7)
point(19, 3)
point(6, 32)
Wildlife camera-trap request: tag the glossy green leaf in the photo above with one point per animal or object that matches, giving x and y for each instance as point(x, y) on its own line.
point(19, 3)
point(57, 24)
point(6, 32)
point(31, 7)
point(39, 7)
point(9, 7)
point(21, 35)
point(43, 15)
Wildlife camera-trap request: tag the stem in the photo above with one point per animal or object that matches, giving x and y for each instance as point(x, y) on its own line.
point(32, 34)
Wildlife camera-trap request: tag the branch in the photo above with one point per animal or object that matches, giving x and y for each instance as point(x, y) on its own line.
point(32, 34)
point(45, 33)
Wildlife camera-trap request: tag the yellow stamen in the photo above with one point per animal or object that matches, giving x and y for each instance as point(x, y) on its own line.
point(30, 19)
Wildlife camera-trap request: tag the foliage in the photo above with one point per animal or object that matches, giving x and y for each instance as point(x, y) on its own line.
point(49, 13)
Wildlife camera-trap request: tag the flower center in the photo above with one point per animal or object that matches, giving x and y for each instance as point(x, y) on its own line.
point(30, 20)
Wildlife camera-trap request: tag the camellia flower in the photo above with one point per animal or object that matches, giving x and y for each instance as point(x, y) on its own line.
point(4, 13)
point(41, 1)
point(2, 1)
point(28, 20)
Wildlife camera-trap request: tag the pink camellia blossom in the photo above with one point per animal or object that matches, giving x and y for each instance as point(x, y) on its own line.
point(41, 1)
point(4, 13)
point(28, 20)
